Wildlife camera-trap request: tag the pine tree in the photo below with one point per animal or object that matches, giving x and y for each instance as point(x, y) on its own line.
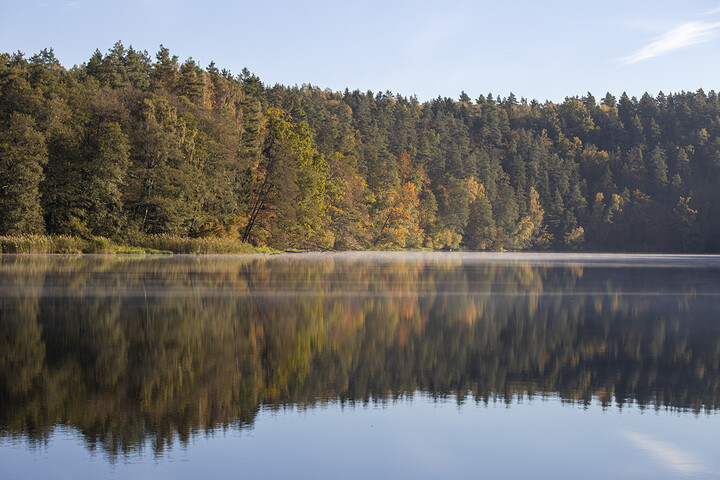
point(658, 170)
point(505, 208)
point(190, 81)
point(556, 217)
point(480, 231)
point(138, 68)
point(165, 71)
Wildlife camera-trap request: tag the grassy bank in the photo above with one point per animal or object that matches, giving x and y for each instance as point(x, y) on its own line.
point(208, 245)
point(151, 244)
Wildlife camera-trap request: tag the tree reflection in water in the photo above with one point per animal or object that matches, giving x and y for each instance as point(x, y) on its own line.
point(137, 349)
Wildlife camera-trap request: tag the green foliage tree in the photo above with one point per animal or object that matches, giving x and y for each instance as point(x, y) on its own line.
point(530, 229)
point(685, 220)
point(163, 185)
point(22, 157)
point(105, 180)
point(288, 200)
point(481, 230)
point(658, 170)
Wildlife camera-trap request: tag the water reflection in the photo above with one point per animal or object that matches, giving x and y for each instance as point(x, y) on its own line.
point(129, 350)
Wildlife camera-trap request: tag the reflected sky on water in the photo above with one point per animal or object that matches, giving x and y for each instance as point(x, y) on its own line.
point(355, 364)
point(420, 437)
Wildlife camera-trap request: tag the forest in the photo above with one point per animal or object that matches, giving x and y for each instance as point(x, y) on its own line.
point(127, 146)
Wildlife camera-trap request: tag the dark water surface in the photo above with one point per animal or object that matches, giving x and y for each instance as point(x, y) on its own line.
point(416, 365)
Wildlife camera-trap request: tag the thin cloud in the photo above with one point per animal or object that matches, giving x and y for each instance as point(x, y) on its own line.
point(712, 11)
point(680, 461)
point(687, 34)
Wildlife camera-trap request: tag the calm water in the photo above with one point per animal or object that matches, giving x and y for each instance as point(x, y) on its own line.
point(360, 366)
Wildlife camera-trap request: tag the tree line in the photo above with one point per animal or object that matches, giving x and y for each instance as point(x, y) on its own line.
point(125, 145)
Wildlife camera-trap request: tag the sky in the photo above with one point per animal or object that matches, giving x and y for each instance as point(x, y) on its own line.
point(545, 50)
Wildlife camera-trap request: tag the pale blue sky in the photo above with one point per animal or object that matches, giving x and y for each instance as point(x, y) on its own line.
point(542, 50)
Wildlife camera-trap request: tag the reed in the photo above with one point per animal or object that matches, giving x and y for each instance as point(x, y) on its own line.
point(205, 245)
point(145, 244)
point(63, 244)
point(41, 244)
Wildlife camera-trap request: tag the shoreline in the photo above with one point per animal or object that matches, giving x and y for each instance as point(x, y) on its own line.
point(174, 245)
point(145, 245)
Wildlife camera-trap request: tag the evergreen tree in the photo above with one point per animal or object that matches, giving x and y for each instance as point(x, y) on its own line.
point(165, 71)
point(505, 208)
point(658, 170)
point(190, 81)
point(481, 231)
point(556, 217)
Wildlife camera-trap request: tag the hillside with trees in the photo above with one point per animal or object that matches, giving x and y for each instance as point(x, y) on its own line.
point(127, 145)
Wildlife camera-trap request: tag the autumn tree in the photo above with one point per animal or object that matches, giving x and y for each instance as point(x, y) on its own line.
point(288, 196)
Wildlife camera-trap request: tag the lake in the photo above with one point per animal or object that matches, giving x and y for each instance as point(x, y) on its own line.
point(360, 365)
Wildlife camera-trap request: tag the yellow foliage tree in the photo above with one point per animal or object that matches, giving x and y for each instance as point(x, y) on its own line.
point(401, 228)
